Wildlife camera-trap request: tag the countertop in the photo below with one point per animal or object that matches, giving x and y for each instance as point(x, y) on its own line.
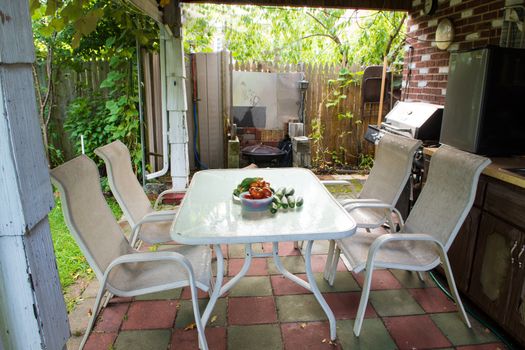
point(496, 169)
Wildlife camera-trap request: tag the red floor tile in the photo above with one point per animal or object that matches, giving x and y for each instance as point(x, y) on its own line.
point(151, 314)
point(492, 346)
point(415, 332)
point(188, 340)
point(97, 341)
point(287, 249)
point(283, 286)
point(111, 317)
point(120, 300)
point(251, 310)
point(381, 280)
point(258, 267)
point(344, 305)
point(319, 262)
point(186, 294)
point(311, 336)
point(432, 300)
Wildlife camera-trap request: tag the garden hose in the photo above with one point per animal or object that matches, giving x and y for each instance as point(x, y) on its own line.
point(474, 314)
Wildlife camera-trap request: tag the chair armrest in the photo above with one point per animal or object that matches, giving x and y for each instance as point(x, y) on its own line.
point(151, 256)
point(164, 215)
point(379, 241)
point(350, 205)
point(165, 193)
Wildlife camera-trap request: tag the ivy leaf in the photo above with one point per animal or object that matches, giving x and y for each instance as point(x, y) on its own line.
point(88, 23)
point(33, 6)
point(75, 42)
point(57, 24)
point(51, 7)
point(72, 11)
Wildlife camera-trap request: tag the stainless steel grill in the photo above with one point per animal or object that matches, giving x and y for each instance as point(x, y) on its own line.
point(418, 120)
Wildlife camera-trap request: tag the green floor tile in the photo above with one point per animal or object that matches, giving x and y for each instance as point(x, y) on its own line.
point(396, 302)
point(165, 295)
point(260, 337)
point(458, 333)
point(409, 279)
point(373, 335)
point(344, 282)
point(294, 264)
point(295, 308)
point(259, 286)
point(141, 340)
point(185, 313)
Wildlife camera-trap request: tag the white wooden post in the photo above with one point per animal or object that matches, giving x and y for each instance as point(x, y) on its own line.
point(176, 104)
point(32, 310)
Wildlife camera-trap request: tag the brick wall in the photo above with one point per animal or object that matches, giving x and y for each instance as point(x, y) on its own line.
point(476, 23)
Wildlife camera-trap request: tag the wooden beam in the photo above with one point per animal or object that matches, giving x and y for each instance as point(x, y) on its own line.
point(148, 7)
point(390, 5)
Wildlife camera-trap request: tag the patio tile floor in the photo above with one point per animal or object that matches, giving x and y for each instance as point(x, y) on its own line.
point(266, 311)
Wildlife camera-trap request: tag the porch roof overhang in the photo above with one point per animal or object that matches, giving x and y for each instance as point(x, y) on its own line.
point(150, 7)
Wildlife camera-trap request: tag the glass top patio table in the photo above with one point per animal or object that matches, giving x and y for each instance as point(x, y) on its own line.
point(209, 215)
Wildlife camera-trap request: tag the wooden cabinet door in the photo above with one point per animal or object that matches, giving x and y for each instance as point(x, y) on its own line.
point(461, 252)
point(492, 268)
point(515, 321)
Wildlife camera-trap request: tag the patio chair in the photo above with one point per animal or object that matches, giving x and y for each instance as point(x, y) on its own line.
point(122, 270)
point(429, 230)
point(147, 224)
point(376, 201)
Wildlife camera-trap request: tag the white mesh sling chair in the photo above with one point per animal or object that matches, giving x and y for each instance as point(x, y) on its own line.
point(377, 200)
point(122, 270)
point(429, 230)
point(147, 224)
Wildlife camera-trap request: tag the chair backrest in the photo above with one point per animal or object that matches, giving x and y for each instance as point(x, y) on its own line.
point(448, 194)
point(87, 214)
point(392, 166)
point(123, 182)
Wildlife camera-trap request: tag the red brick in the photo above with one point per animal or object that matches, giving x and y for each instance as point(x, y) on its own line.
point(344, 305)
point(312, 336)
point(492, 346)
point(111, 317)
point(186, 294)
point(415, 332)
point(319, 262)
point(188, 340)
point(432, 300)
point(283, 286)
point(251, 310)
point(97, 341)
point(151, 315)
point(258, 267)
point(381, 279)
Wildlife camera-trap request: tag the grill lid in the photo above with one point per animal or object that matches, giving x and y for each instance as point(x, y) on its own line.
point(419, 120)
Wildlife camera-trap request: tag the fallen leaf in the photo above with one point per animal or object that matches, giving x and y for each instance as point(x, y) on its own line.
point(178, 306)
point(323, 341)
point(213, 318)
point(90, 312)
point(191, 326)
point(303, 325)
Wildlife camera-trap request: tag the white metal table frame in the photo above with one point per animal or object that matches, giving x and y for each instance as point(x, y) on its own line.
point(208, 215)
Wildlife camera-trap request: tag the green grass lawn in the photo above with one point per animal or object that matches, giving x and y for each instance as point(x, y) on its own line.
point(71, 263)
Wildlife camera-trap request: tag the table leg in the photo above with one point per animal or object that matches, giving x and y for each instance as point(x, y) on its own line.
point(245, 267)
point(311, 285)
point(217, 286)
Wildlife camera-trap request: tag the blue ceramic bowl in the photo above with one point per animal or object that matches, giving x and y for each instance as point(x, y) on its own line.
point(255, 204)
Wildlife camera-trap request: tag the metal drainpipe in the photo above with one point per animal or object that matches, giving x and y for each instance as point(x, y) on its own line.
point(141, 114)
point(165, 147)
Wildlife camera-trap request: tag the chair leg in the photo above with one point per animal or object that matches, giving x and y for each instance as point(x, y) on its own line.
point(363, 302)
point(95, 311)
point(329, 258)
point(421, 276)
point(453, 289)
point(333, 269)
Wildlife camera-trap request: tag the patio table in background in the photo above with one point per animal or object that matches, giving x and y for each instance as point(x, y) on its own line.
point(208, 215)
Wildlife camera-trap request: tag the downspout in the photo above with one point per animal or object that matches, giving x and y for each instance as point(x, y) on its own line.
point(165, 146)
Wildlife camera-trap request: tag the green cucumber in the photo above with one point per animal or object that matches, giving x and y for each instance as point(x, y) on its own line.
point(284, 202)
point(276, 200)
point(291, 201)
point(274, 207)
point(289, 191)
point(299, 201)
point(280, 192)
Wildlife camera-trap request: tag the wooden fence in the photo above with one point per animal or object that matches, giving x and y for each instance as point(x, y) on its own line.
point(341, 139)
